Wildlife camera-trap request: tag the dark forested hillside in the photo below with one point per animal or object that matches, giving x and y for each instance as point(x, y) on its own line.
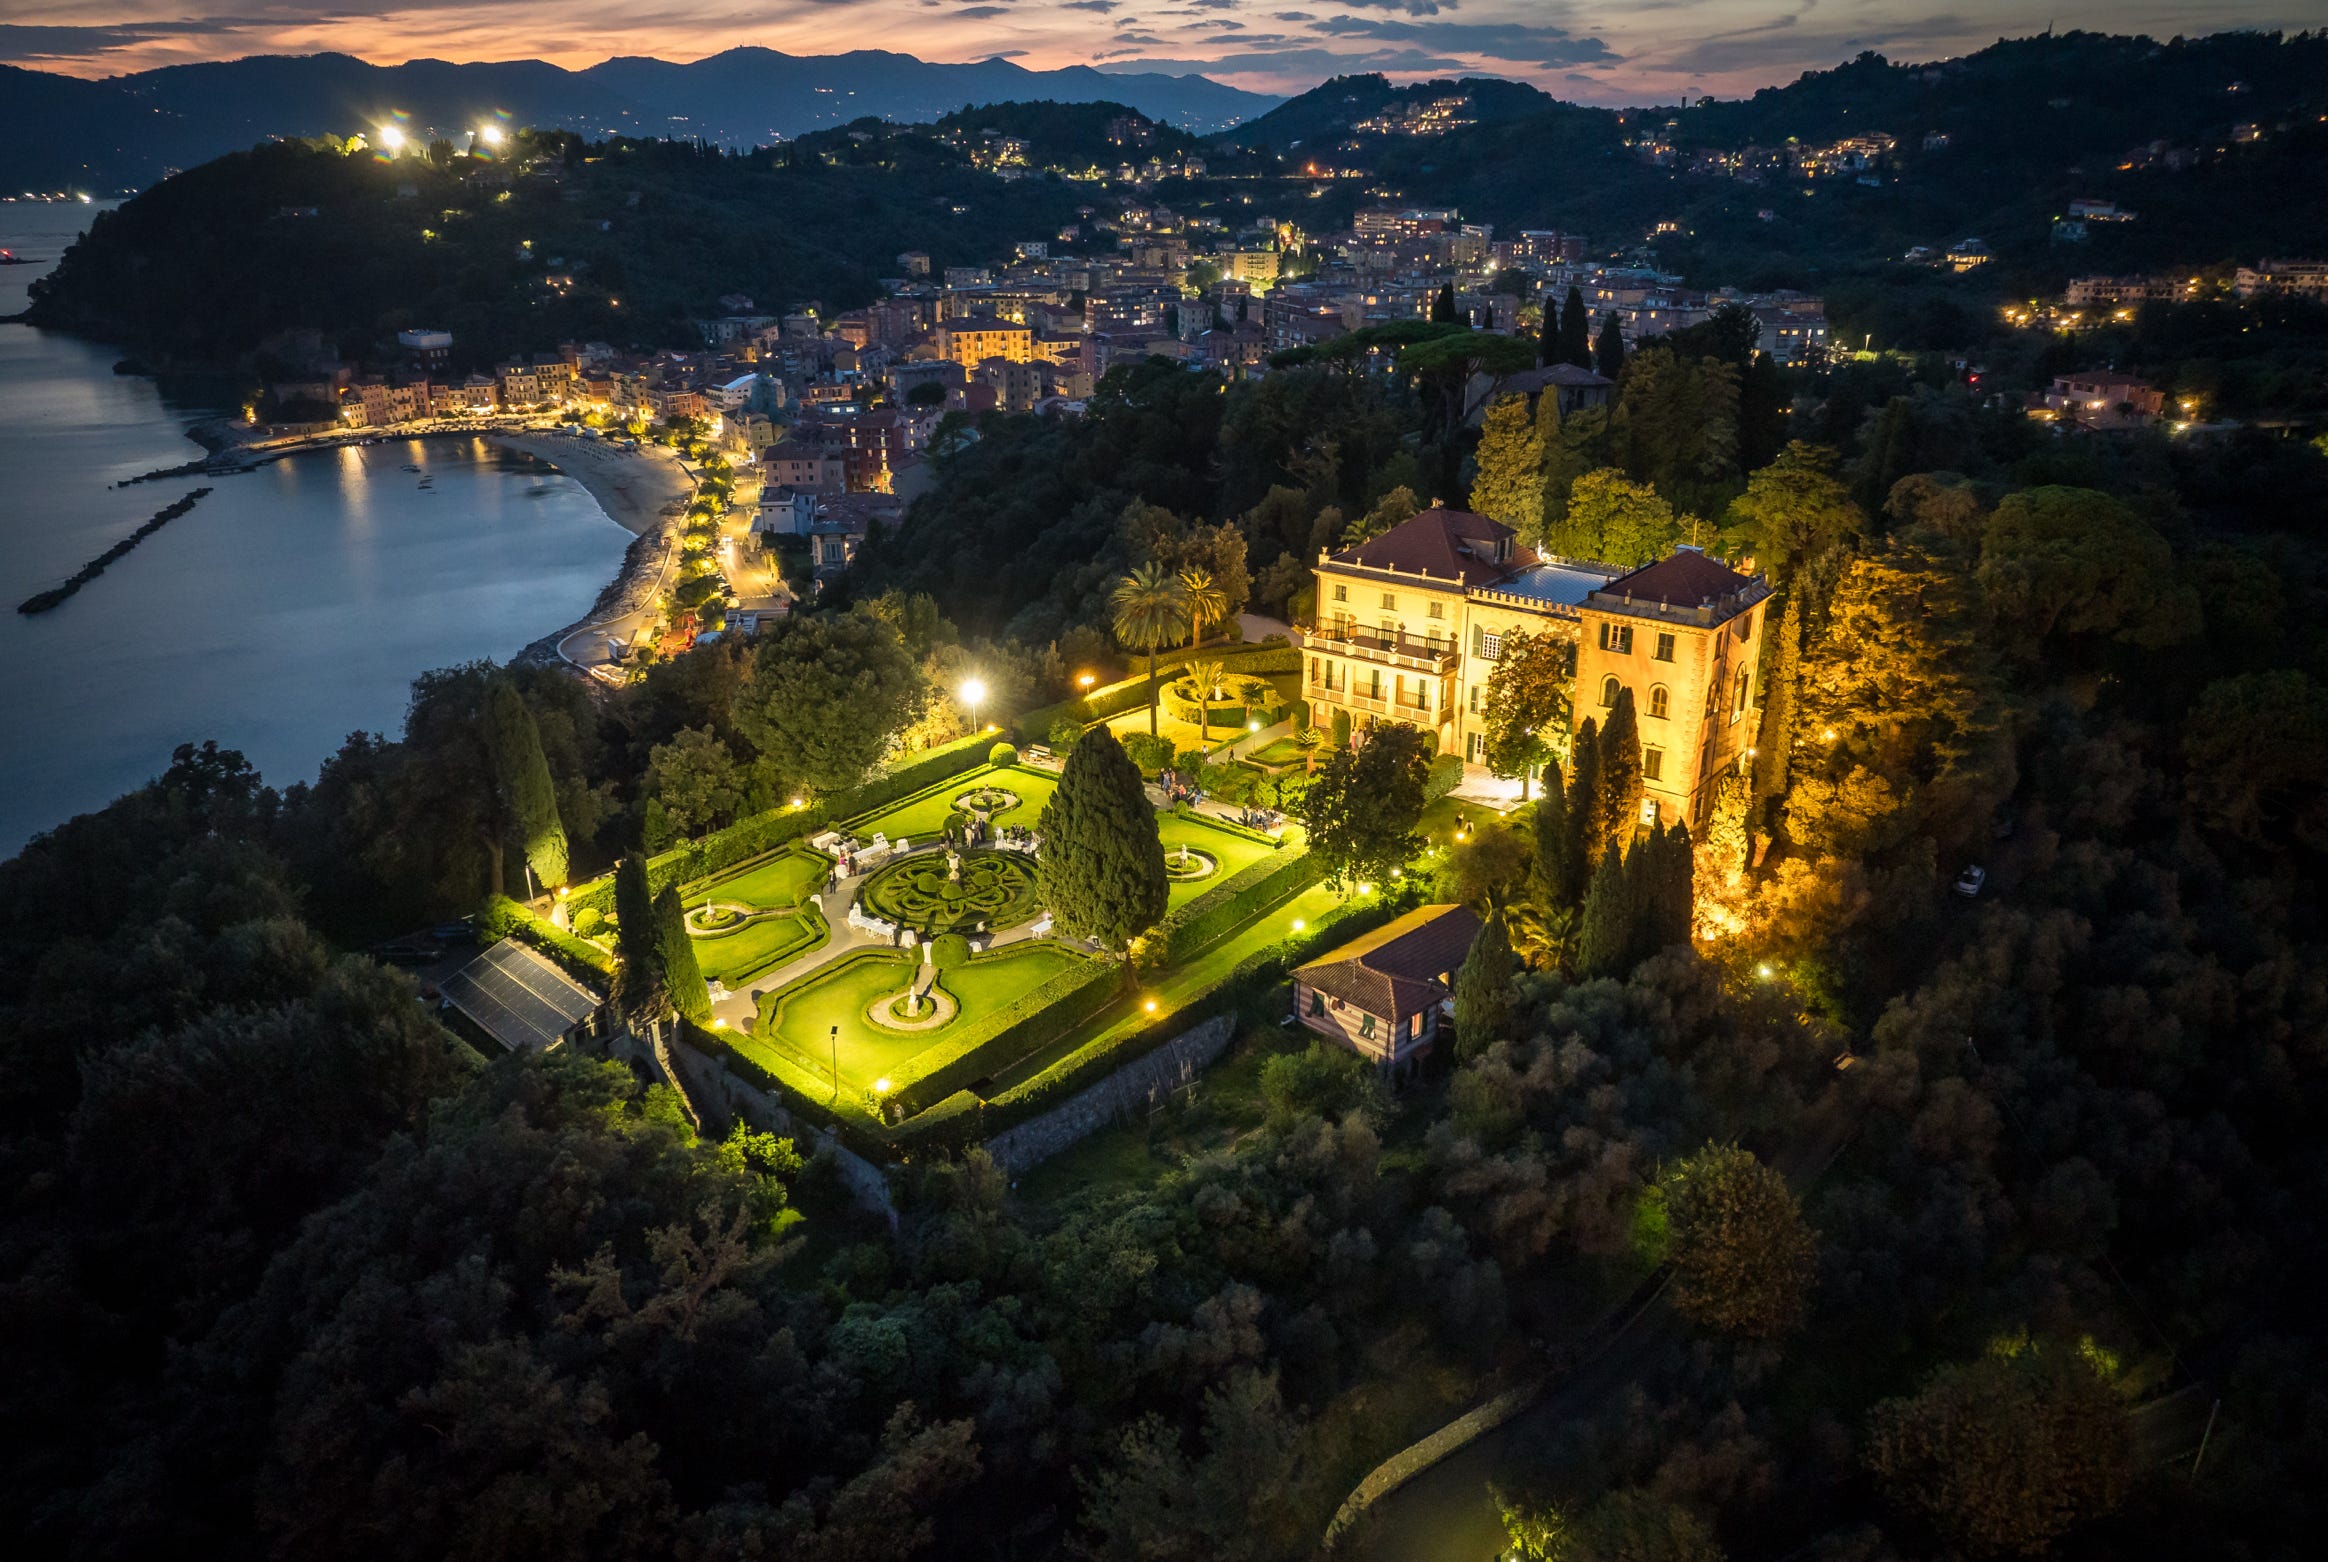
point(208, 265)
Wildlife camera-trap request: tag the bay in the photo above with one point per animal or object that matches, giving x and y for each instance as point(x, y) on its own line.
point(292, 606)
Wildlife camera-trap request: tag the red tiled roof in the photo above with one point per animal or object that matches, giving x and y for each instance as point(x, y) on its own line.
point(1683, 578)
point(1449, 544)
point(1401, 969)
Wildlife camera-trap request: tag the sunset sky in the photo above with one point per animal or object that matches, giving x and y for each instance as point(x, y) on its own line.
point(1602, 51)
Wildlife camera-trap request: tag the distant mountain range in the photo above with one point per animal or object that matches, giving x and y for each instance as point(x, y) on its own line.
point(60, 132)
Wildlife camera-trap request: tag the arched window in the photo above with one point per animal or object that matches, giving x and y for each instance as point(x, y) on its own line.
point(1609, 687)
point(1745, 688)
point(1660, 703)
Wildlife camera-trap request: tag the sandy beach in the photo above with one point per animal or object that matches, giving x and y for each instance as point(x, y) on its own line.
point(646, 492)
point(638, 488)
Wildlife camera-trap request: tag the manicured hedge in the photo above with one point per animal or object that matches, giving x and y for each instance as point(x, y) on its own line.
point(1235, 901)
point(506, 918)
point(762, 833)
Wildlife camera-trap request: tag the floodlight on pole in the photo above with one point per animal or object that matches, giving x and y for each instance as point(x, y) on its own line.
point(973, 692)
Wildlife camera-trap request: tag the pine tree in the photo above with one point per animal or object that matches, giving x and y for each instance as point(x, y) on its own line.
point(1605, 932)
point(1575, 330)
point(1558, 872)
point(1101, 865)
point(1483, 991)
point(1509, 486)
point(1617, 793)
point(1585, 842)
point(1443, 307)
point(641, 985)
point(521, 775)
point(675, 953)
point(1608, 354)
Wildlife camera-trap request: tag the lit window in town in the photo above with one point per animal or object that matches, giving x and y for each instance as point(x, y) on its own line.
point(1490, 647)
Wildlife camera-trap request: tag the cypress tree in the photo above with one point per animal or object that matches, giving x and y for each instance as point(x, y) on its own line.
point(1483, 991)
point(1605, 933)
point(641, 984)
point(1584, 838)
point(675, 953)
point(1782, 648)
point(1617, 797)
point(1443, 307)
point(1608, 354)
point(1675, 919)
point(1548, 339)
point(1557, 868)
point(1575, 331)
point(521, 775)
point(1100, 868)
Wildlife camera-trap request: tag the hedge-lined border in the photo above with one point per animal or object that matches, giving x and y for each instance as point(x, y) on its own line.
point(1235, 901)
point(506, 918)
point(949, 1125)
point(761, 834)
point(819, 931)
point(1039, 1015)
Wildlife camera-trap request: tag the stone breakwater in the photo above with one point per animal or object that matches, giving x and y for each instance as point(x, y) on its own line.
point(42, 601)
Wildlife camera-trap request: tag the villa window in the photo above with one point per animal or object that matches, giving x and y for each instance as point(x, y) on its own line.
point(1617, 639)
point(1435, 610)
point(1317, 1002)
point(1390, 601)
point(1341, 593)
point(1664, 652)
point(1660, 703)
point(1490, 646)
point(1374, 686)
point(1745, 686)
point(1475, 699)
point(1652, 764)
point(1609, 688)
point(1366, 1026)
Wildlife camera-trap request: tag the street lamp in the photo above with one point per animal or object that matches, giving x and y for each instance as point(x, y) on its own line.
point(1085, 680)
point(490, 134)
point(392, 139)
point(973, 691)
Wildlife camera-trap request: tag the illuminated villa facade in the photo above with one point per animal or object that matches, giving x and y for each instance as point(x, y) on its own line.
point(1409, 625)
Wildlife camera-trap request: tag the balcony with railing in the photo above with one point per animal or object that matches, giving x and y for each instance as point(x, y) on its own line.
point(1412, 652)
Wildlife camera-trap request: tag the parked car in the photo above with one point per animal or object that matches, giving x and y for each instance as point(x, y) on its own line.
point(1969, 882)
point(406, 952)
point(453, 933)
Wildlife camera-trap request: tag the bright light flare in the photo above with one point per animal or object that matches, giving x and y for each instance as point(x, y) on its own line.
point(973, 691)
point(491, 135)
point(391, 138)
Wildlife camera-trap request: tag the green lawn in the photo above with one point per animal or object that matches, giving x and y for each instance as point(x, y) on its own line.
point(1278, 752)
point(797, 1022)
point(920, 818)
point(759, 946)
point(772, 883)
point(1180, 986)
point(1232, 850)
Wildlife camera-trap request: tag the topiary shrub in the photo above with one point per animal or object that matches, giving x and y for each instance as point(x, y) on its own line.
point(949, 950)
point(1063, 734)
point(1151, 754)
point(1002, 754)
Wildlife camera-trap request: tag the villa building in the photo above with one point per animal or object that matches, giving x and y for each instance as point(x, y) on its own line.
point(1409, 626)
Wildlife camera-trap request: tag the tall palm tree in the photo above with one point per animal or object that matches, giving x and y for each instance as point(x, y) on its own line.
point(1207, 603)
point(1207, 676)
point(1151, 610)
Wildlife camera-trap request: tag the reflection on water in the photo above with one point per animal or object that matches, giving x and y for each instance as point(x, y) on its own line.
point(292, 606)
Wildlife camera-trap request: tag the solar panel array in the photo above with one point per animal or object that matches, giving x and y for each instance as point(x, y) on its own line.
point(519, 998)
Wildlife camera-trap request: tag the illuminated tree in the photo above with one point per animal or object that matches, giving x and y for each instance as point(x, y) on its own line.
point(521, 777)
point(1742, 1257)
point(1207, 603)
point(695, 780)
point(1100, 868)
point(1614, 519)
point(1528, 704)
point(1364, 803)
point(1616, 807)
point(1509, 486)
point(1151, 611)
point(682, 976)
point(826, 695)
point(640, 989)
point(1559, 865)
point(1206, 676)
point(1604, 929)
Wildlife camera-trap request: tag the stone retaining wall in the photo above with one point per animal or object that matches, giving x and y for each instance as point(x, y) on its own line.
point(1134, 1087)
point(1414, 1459)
